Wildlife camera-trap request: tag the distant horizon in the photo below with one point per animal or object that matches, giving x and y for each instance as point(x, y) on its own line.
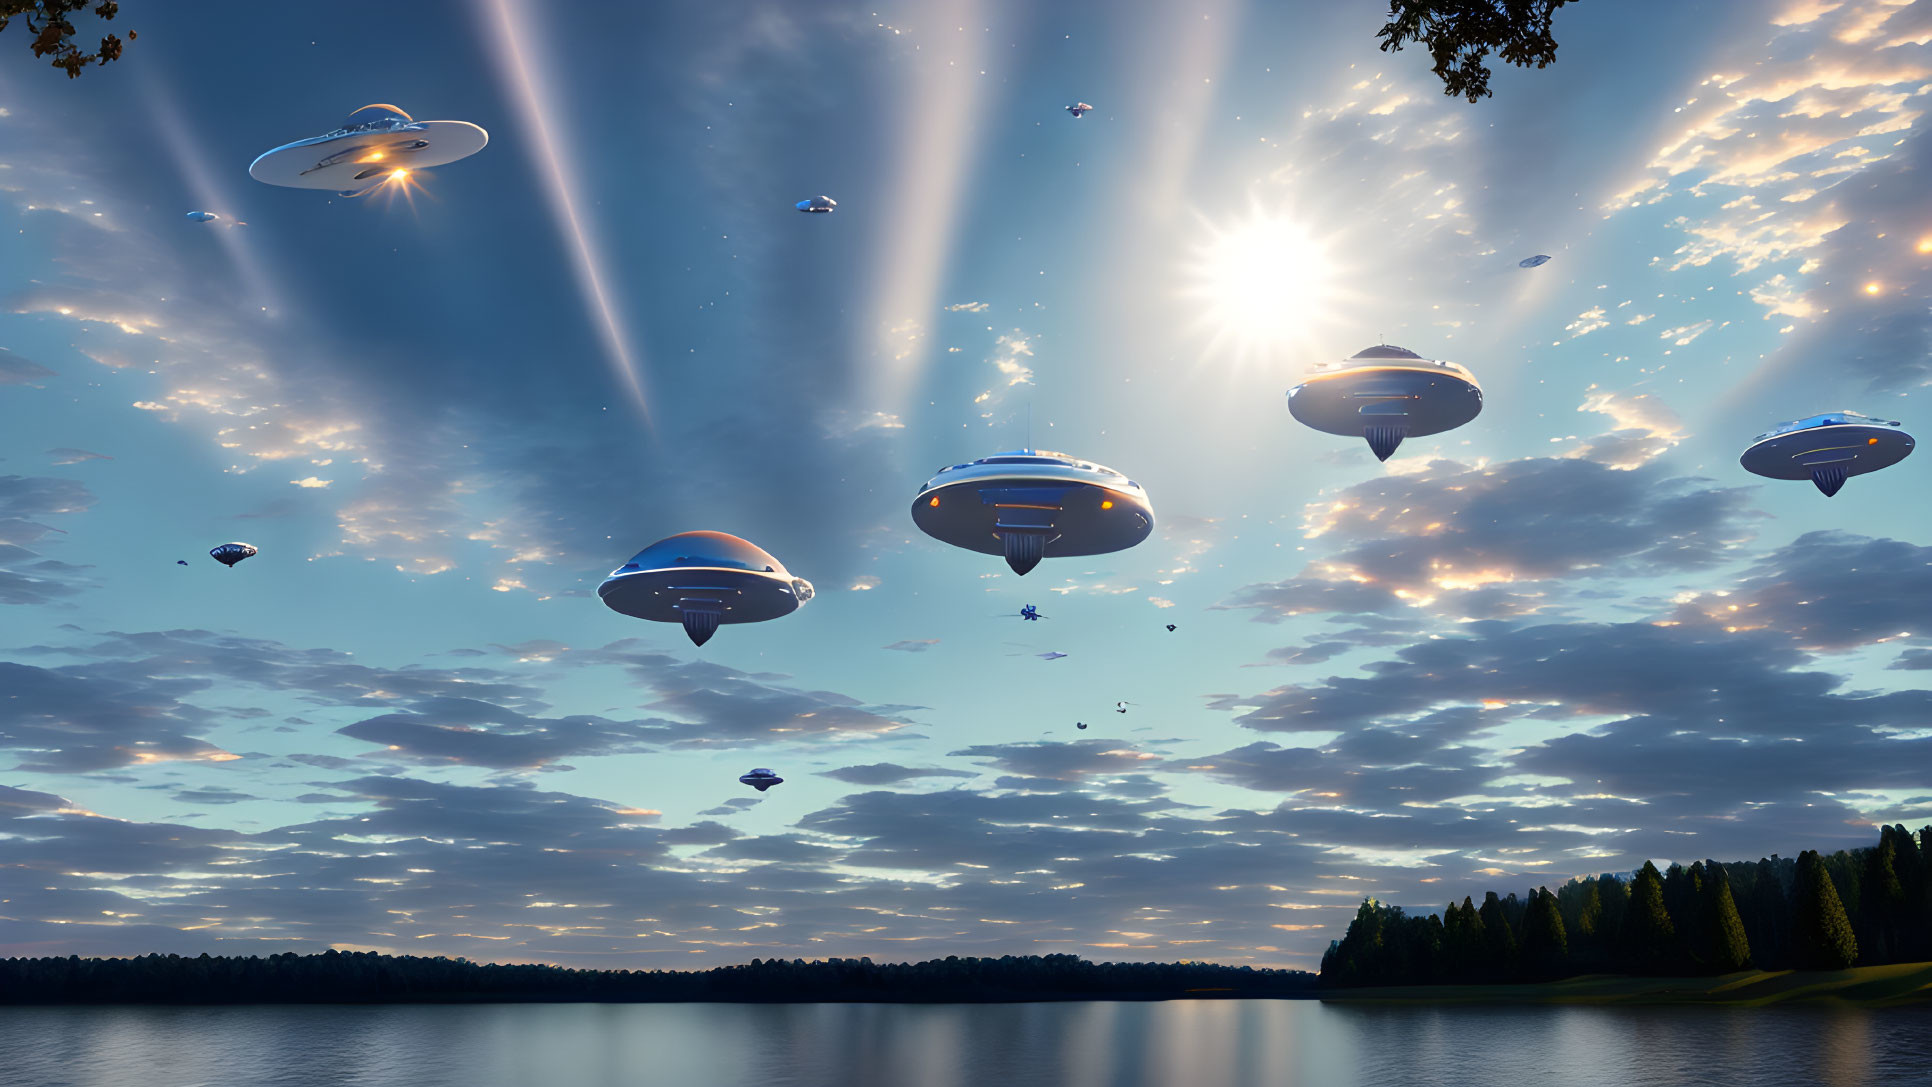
point(1568, 634)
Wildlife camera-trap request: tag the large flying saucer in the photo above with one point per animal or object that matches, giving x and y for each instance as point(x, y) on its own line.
point(1033, 504)
point(376, 143)
point(701, 580)
point(1386, 394)
point(1827, 449)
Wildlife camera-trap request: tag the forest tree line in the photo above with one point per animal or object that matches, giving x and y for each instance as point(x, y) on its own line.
point(1858, 907)
point(336, 977)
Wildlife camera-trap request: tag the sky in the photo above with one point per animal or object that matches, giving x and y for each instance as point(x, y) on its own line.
point(1568, 637)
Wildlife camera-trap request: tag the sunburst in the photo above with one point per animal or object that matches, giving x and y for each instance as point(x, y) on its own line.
point(1266, 285)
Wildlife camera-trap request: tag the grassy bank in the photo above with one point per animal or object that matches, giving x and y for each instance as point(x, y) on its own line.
point(1866, 986)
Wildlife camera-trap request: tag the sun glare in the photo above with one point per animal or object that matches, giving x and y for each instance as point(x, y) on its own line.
point(1264, 284)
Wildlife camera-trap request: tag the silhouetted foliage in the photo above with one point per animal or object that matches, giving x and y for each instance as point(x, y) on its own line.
point(1821, 934)
point(1649, 938)
point(1546, 946)
point(336, 977)
point(1864, 907)
point(1723, 946)
point(1460, 35)
point(53, 31)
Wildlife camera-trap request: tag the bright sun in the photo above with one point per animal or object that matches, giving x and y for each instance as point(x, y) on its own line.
point(1264, 284)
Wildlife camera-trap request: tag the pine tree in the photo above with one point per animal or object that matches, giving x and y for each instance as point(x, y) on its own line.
point(1462, 941)
point(1590, 919)
point(1767, 917)
point(1726, 948)
point(1546, 947)
point(1821, 934)
point(1499, 943)
point(1884, 901)
point(1649, 938)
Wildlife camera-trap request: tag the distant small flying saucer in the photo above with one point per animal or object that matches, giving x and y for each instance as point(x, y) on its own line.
point(1078, 109)
point(229, 554)
point(202, 216)
point(820, 204)
point(761, 779)
point(1536, 261)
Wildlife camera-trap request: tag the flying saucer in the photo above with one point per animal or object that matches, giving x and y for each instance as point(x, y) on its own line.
point(1827, 449)
point(702, 579)
point(1170, 628)
point(202, 216)
point(761, 779)
point(229, 554)
point(817, 204)
point(1386, 394)
point(1033, 504)
point(1079, 108)
point(376, 143)
point(1079, 724)
point(1536, 261)
point(1050, 656)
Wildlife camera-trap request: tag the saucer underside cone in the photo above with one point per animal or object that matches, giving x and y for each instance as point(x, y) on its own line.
point(1827, 455)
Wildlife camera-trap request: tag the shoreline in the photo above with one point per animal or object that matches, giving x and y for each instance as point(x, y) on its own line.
point(1861, 986)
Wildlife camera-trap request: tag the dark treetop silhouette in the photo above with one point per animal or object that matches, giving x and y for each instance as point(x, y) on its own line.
point(367, 977)
point(1461, 33)
point(52, 30)
point(1863, 907)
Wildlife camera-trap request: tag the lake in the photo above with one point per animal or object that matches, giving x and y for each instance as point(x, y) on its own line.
point(1280, 1043)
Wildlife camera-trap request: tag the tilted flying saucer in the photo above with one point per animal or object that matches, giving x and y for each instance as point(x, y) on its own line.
point(1827, 449)
point(229, 554)
point(376, 143)
point(1079, 108)
point(761, 779)
point(818, 204)
point(1032, 504)
point(703, 579)
point(1386, 394)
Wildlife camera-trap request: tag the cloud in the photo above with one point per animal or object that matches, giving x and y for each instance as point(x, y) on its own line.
point(15, 370)
point(23, 501)
point(887, 773)
point(1825, 591)
point(1807, 142)
point(1587, 322)
point(1059, 761)
point(65, 455)
point(1452, 527)
point(968, 307)
point(1644, 428)
point(913, 645)
point(311, 483)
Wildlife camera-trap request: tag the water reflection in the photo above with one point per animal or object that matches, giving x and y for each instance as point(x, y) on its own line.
point(1192, 1043)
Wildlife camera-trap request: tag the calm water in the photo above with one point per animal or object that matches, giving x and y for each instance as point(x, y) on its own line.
point(1181, 1043)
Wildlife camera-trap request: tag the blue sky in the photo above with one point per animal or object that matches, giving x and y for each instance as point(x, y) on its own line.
point(1568, 637)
